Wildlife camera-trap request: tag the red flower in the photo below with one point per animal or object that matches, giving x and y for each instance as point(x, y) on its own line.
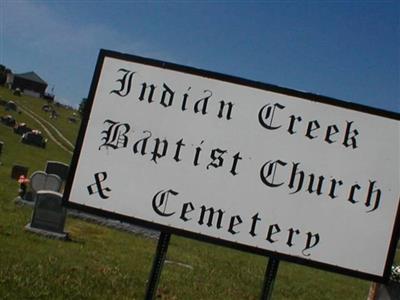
point(23, 180)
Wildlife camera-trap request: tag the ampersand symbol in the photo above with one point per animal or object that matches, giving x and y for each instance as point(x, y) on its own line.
point(97, 186)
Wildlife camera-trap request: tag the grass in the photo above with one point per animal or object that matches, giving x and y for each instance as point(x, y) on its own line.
point(102, 263)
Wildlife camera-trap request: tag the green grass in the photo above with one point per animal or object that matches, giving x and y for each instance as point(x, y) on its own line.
point(102, 263)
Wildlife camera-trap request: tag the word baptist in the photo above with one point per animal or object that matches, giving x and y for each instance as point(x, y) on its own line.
point(156, 148)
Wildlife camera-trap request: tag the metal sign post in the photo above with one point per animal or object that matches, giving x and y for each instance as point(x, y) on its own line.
point(158, 262)
point(269, 278)
point(373, 291)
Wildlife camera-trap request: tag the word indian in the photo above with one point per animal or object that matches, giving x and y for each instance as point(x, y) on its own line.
point(167, 96)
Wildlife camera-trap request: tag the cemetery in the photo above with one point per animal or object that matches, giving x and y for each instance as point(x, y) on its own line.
point(70, 254)
point(29, 135)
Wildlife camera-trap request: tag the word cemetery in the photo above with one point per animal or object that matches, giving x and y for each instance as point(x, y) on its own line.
point(206, 217)
point(256, 167)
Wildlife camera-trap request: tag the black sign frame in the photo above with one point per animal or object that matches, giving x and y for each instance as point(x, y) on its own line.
point(240, 81)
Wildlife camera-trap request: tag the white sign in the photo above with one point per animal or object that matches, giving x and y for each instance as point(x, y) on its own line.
point(252, 166)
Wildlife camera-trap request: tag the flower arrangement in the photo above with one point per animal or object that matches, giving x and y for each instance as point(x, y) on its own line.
point(23, 182)
point(395, 274)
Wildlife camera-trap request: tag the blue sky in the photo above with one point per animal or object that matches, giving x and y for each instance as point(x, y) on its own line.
point(347, 50)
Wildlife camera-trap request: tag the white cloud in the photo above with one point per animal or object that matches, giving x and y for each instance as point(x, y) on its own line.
point(39, 27)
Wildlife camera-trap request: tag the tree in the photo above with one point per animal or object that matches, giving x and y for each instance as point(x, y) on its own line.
point(3, 74)
point(82, 106)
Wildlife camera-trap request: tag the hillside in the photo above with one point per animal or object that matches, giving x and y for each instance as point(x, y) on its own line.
point(103, 263)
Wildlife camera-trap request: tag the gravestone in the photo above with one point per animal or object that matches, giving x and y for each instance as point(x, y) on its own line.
point(10, 105)
point(8, 120)
point(18, 170)
point(58, 168)
point(47, 108)
point(34, 137)
point(72, 120)
point(21, 129)
point(17, 92)
point(49, 215)
point(40, 181)
point(389, 291)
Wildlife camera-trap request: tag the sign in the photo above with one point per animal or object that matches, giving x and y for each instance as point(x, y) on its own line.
point(239, 163)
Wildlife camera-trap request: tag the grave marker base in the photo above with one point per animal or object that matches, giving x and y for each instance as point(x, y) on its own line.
point(51, 234)
point(20, 200)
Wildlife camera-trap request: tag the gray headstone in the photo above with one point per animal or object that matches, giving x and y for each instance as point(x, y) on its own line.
point(17, 171)
point(389, 291)
point(53, 183)
point(58, 168)
point(40, 181)
point(48, 213)
point(10, 105)
point(35, 138)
